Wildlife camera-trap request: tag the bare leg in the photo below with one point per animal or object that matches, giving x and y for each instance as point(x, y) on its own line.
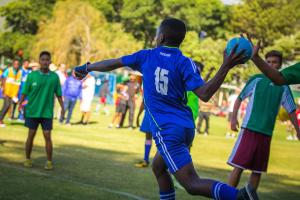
point(161, 173)
point(87, 117)
point(48, 141)
point(254, 180)
point(29, 143)
point(235, 176)
point(193, 184)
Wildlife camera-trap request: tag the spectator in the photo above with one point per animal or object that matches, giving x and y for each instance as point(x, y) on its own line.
point(71, 91)
point(133, 88)
point(104, 92)
point(62, 74)
point(88, 91)
point(120, 107)
point(230, 103)
point(25, 71)
point(10, 85)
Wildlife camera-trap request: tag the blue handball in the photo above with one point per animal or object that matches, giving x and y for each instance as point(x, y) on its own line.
point(244, 44)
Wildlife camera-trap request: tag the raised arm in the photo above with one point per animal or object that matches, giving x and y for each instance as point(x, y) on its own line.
point(270, 72)
point(206, 91)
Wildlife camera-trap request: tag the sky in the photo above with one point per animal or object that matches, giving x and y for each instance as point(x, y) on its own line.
point(230, 1)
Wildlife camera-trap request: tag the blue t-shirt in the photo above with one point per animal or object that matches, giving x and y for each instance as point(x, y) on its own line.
point(167, 75)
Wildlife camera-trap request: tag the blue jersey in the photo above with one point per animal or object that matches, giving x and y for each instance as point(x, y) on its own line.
point(167, 75)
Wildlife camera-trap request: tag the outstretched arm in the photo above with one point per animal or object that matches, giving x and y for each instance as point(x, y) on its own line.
point(102, 66)
point(206, 91)
point(294, 121)
point(105, 65)
point(270, 72)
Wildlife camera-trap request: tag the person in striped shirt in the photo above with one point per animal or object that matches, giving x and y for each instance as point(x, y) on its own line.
point(252, 148)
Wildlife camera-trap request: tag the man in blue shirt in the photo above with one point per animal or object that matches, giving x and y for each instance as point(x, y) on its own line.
point(167, 75)
point(71, 91)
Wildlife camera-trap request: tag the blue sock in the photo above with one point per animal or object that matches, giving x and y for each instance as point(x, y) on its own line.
point(222, 191)
point(167, 195)
point(148, 145)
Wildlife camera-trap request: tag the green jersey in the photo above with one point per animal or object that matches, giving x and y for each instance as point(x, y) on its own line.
point(40, 89)
point(292, 74)
point(193, 103)
point(265, 99)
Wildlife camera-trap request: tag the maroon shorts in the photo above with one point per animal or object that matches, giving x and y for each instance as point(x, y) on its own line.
point(251, 151)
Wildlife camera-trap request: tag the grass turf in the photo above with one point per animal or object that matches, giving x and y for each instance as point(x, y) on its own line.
point(95, 162)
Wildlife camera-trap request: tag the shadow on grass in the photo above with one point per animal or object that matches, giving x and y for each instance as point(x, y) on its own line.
point(114, 169)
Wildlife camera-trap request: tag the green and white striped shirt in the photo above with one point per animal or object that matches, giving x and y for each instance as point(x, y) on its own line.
point(265, 99)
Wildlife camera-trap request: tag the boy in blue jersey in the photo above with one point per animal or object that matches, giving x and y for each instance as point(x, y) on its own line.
point(167, 75)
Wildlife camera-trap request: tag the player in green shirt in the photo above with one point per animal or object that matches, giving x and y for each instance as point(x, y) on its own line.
point(40, 88)
point(287, 76)
point(252, 147)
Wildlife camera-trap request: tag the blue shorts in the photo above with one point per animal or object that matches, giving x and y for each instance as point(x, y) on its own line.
point(145, 127)
point(33, 123)
point(173, 143)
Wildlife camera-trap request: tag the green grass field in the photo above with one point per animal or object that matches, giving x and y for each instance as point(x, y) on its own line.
point(95, 162)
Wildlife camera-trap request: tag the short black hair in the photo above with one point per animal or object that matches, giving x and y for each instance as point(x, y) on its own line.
point(174, 31)
point(45, 53)
point(274, 53)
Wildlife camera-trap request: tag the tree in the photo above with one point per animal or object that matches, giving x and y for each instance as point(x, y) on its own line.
point(289, 46)
point(210, 52)
point(141, 18)
point(75, 39)
point(266, 19)
point(21, 22)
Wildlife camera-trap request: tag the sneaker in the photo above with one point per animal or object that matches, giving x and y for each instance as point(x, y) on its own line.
point(142, 164)
point(49, 165)
point(247, 193)
point(110, 125)
point(2, 125)
point(28, 163)
point(205, 134)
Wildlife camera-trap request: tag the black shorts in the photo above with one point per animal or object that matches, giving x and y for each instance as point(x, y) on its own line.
point(33, 123)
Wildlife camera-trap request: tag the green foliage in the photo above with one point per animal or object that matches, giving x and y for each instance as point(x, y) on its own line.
point(141, 18)
point(210, 52)
point(266, 19)
point(24, 16)
point(289, 46)
point(12, 42)
point(21, 23)
point(74, 39)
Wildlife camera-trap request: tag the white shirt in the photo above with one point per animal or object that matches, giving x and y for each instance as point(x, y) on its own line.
point(88, 88)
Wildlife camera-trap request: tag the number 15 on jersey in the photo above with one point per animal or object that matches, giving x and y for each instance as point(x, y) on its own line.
point(161, 80)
